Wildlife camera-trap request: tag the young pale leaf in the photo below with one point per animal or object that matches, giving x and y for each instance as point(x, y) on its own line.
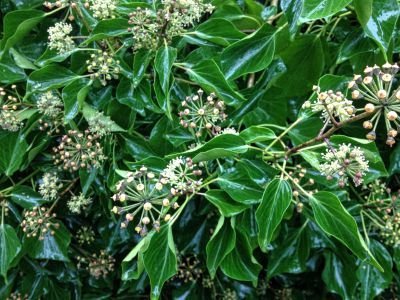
point(10, 246)
point(275, 201)
point(240, 264)
point(251, 54)
point(221, 243)
point(160, 259)
point(334, 219)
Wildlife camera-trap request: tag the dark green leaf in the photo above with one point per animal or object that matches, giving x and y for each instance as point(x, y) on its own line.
point(25, 197)
point(256, 134)
point(10, 246)
point(275, 201)
point(318, 9)
point(74, 95)
point(13, 148)
point(226, 206)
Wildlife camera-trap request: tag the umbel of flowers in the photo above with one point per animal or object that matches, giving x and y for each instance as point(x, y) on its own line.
point(145, 199)
point(202, 115)
point(345, 162)
point(379, 89)
point(10, 108)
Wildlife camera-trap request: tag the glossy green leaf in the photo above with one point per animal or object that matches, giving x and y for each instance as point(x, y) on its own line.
point(363, 9)
point(290, 256)
point(339, 276)
point(26, 197)
point(275, 201)
point(293, 10)
point(334, 220)
point(17, 24)
point(13, 148)
point(251, 54)
point(160, 260)
point(240, 264)
point(374, 282)
point(256, 134)
point(49, 77)
point(108, 28)
point(208, 75)
point(52, 247)
point(221, 243)
point(382, 22)
point(10, 246)
point(10, 72)
point(318, 9)
point(217, 31)
point(74, 95)
point(226, 206)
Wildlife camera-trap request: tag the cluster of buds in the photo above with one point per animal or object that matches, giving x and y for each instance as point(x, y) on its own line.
point(85, 235)
point(102, 9)
point(60, 39)
point(56, 4)
point(189, 269)
point(201, 115)
point(49, 186)
point(4, 207)
point(146, 197)
point(229, 130)
point(9, 111)
point(77, 203)
point(17, 296)
point(39, 222)
point(98, 265)
point(344, 162)
point(376, 87)
point(229, 294)
point(333, 105)
point(103, 66)
point(78, 150)
point(51, 108)
point(181, 173)
point(298, 173)
point(150, 27)
point(100, 124)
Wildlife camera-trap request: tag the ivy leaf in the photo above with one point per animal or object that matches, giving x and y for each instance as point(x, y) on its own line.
point(10, 246)
point(240, 263)
point(374, 282)
point(13, 148)
point(382, 22)
point(318, 9)
point(74, 95)
point(226, 206)
point(334, 220)
point(269, 214)
point(251, 54)
point(293, 10)
point(208, 75)
point(363, 9)
point(221, 243)
point(107, 28)
point(160, 259)
point(255, 134)
point(26, 197)
point(53, 247)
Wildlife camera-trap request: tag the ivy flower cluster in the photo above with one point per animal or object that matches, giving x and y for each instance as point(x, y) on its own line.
point(146, 197)
point(103, 66)
point(298, 174)
point(332, 105)
point(51, 107)
point(377, 88)
point(182, 174)
point(39, 222)
point(85, 235)
point(189, 269)
point(60, 39)
point(79, 150)
point(98, 265)
point(202, 115)
point(9, 111)
point(49, 186)
point(345, 162)
point(150, 28)
point(100, 124)
point(78, 203)
point(102, 9)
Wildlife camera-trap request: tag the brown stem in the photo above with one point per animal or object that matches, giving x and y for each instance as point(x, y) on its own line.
point(328, 133)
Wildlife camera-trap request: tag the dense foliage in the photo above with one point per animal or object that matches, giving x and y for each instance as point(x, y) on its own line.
point(199, 149)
